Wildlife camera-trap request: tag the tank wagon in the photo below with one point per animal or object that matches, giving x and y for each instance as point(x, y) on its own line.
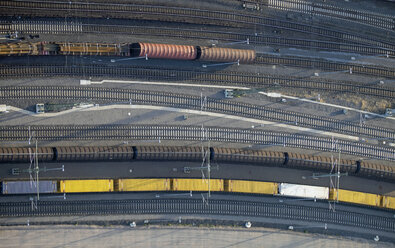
point(199, 185)
point(141, 49)
point(217, 155)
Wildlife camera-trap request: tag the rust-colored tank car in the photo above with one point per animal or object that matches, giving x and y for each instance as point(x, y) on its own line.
point(163, 51)
point(226, 54)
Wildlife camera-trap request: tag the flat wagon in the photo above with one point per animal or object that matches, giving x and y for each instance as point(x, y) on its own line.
point(197, 185)
point(253, 187)
point(142, 185)
point(28, 187)
point(82, 186)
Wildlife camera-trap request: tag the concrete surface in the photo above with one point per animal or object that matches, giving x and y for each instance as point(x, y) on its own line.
point(172, 236)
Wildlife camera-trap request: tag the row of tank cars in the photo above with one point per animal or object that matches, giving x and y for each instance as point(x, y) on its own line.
point(216, 155)
point(198, 185)
point(141, 49)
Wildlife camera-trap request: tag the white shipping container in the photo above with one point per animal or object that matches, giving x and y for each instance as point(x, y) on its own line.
point(304, 191)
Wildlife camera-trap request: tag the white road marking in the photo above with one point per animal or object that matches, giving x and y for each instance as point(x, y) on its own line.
point(89, 82)
point(269, 94)
point(187, 111)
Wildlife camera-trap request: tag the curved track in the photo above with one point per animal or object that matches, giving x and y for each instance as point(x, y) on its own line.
point(196, 103)
point(195, 206)
point(191, 133)
point(56, 27)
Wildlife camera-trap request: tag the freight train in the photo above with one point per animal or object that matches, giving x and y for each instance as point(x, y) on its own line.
point(217, 155)
point(147, 50)
point(199, 185)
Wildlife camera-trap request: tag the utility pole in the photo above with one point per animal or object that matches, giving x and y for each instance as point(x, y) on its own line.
point(334, 175)
point(205, 166)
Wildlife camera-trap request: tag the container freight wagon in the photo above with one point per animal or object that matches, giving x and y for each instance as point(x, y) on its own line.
point(27, 187)
point(251, 187)
point(356, 197)
point(388, 202)
point(142, 185)
point(197, 185)
point(304, 191)
point(82, 186)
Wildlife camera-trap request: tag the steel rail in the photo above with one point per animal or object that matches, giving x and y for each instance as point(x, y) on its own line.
point(196, 103)
point(201, 76)
point(195, 206)
point(192, 133)
point(166, 13)
point(55, 27)
point(353, 68)
point(377, 20)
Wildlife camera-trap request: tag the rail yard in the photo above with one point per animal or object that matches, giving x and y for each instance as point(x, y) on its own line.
point(225, 112)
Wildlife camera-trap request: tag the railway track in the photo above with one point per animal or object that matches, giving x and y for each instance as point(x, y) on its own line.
point(56, 27)
point(175, 14)
point(377, 71)
point(192, 133)
point(216, 77)
point(377, 20)
point(195, 206)
point(196, 103)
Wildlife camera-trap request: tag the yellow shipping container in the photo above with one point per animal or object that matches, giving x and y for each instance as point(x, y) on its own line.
point(356, 197)
point(388, 202)
point(197, 185)
point(76, 186)
point(143, 184)
point(253, 187)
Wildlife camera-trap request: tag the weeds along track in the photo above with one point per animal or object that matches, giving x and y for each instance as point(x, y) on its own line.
point(191, 133)
point(56, 27)
point(196, 103)
point(174, 14)
point(196, 76)
point(195, 206)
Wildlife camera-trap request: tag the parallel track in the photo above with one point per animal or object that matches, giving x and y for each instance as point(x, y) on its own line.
point(377, 71)
point(55, 27)
point(175, 14)
point(191, 133)
point(194, 102)
point(377, 20)
point(195, 206)
point(228, 78)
